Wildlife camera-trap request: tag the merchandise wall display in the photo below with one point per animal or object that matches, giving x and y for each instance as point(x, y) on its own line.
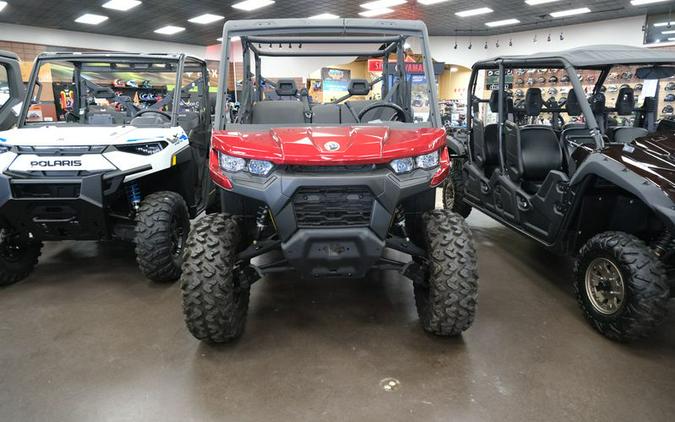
point(596, 188)
point(328, 189)
point(108, 146)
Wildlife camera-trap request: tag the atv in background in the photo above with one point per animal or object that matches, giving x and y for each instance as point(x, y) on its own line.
point(328, 188)
point(107, 146)
point(601, 193)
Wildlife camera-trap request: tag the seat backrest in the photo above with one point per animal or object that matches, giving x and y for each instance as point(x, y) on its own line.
point(326, 113)
point(534, 102)
point(540, 152)
point(531, 152)
point(491, 145)
point(625, 101)
point(278, 112)
point(572, 105)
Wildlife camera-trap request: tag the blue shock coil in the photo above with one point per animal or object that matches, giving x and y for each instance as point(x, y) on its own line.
point(134, 194)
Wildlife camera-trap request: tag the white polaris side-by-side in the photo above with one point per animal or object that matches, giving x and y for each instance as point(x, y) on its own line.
point(106, 146)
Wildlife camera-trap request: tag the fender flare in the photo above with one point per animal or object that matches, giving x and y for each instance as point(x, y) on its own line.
point(598, 164)
point(455, 146)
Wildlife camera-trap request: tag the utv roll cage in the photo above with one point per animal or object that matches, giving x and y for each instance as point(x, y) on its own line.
point(391, 35)
point(135, 62)
point(600, 58)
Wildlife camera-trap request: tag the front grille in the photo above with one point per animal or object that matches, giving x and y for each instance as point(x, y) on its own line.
point(61, 150)
point(333, 169)
point(341, 206)
point(47, 190)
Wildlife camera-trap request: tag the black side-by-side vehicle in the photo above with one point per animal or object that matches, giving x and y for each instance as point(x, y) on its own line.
point(599, 186)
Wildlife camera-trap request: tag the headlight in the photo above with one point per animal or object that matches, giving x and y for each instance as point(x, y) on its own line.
point(403, 165)
point(236, 164)
point(232, 164)
point(4, 149)
point(259, 167)
point(406, 165)
point(427, 161)
point(143, 149)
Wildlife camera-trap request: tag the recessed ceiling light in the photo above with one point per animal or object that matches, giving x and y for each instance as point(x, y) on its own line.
point(122, 5)
point(664, 24)
point(643, 2)
point(3, 4)
point(571, 12)
point(382, 4)
point(538, 2)
point(668, 32)
point(169, 30)
point(503, 22)
point(474, 12)
point(206, 18)
point(249, 5)
point(91, 19)
point(375, 12)
point(430, 2)
point(324, 16)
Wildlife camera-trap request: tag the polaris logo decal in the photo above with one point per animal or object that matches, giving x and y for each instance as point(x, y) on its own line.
point(56, 163)
point(331, 146)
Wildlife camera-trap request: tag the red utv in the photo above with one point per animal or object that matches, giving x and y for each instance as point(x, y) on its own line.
point(332, 183)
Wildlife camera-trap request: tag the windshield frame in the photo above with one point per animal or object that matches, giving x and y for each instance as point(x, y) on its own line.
point(112, 58)
point(340, 29)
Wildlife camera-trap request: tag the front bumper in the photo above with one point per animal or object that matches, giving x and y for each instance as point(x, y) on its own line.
point(60, 208)
point(336, 244)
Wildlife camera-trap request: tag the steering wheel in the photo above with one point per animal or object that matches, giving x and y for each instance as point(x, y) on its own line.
point(142, 112)
point(401, 115)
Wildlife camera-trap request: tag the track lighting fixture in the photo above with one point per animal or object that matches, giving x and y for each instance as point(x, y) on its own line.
point(549, 37)
point(510, 42)
point(470, 45)
point(486, 46)
point(562, 37)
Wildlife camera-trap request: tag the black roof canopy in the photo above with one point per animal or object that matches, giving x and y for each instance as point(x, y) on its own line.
point(588, 57)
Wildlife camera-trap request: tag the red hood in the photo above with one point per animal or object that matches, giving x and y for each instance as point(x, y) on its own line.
point(311, 145)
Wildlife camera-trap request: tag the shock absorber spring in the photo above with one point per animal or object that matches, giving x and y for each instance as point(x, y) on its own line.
point(399, 219)
point(134, 194)
point(261, 221)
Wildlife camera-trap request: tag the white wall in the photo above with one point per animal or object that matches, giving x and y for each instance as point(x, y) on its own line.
point(60, 38)
point(627, 31)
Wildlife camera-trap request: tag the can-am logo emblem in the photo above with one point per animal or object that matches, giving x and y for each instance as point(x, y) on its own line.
point(331, 146)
